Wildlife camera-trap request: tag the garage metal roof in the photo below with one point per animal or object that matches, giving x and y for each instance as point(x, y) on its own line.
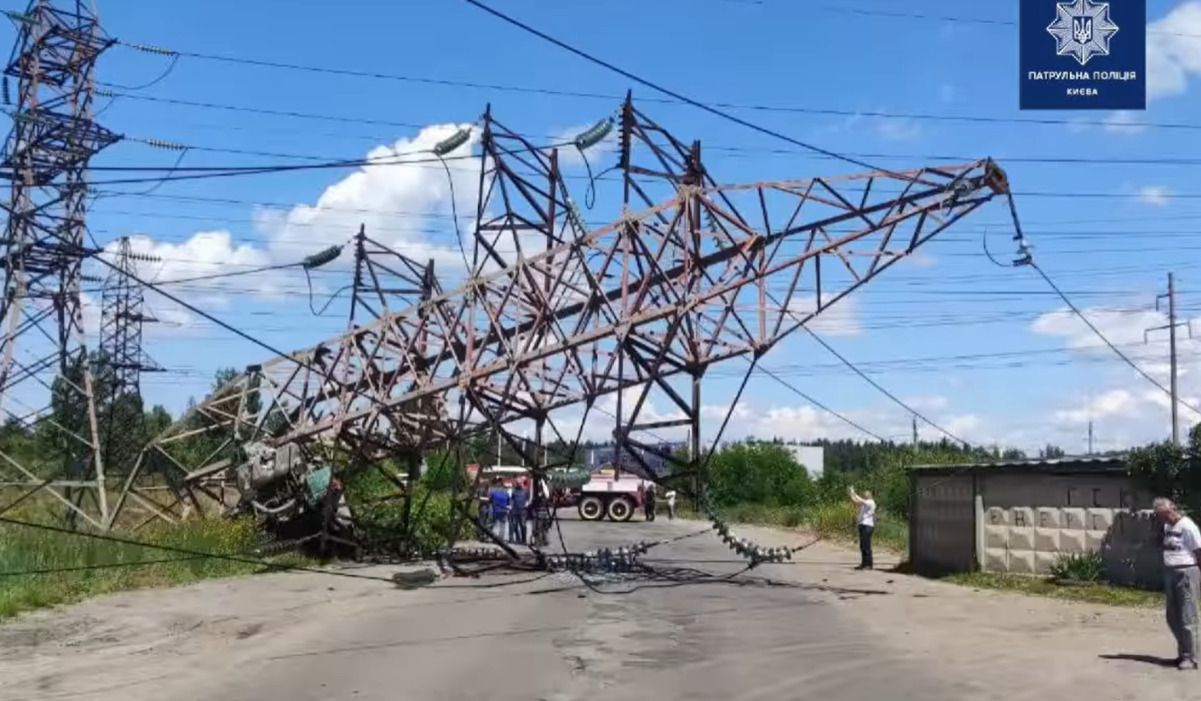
point(1062, 466)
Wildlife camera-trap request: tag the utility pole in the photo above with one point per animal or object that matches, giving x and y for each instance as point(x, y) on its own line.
point(1172, 342)
point(914, 419)
point(1171, 327)
point(1090, 436)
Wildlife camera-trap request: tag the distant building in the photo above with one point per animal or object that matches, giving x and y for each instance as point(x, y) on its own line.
point(1021, 516)
point(812, 457)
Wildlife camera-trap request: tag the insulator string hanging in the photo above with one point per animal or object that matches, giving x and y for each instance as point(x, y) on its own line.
point(321, 257)
point(452, 142)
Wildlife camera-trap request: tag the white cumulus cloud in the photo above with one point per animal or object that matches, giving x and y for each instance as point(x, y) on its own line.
point(1174, 50)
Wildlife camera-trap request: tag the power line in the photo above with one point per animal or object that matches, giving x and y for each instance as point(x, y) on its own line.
point(673, 99)
point(263, 111)
point(232, 201)
point(818, 404)
point(881, 389)
point(1061, 160)
point(666, 91)
point(960, 19)
point(1105, 339)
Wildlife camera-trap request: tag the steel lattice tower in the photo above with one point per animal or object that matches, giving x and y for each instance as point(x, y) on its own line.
point(122, 359)
point(46, 158)
point(121, 321)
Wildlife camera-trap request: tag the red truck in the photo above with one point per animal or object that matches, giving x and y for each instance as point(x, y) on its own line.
point(609, 494)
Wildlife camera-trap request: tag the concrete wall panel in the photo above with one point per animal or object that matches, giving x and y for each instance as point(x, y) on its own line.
point(1048, 517)
point(1021, 561)
point(1073, 542)
point(1020, 517)
point(1021, 538)
point(1073, 518)
point(1046, 539)
point(996, 536)
point(996, 560)
point(1043, 562)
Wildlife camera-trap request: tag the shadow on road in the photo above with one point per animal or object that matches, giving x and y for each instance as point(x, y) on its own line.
point(1146, 659)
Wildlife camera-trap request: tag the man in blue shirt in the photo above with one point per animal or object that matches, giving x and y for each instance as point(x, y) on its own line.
point(498, 499)
point(517, 514)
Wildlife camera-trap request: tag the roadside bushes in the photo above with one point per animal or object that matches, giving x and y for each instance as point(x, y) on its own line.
point(378, 509)
point(1170, 470)
point(1078, 567)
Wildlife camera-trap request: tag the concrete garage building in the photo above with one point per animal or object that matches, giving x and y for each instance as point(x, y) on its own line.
point(1020, 516)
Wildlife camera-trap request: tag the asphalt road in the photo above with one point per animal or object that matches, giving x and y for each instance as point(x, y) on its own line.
point(811, 631)
point(704, 641)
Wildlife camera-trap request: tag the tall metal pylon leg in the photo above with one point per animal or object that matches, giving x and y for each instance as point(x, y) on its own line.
point(46, 377)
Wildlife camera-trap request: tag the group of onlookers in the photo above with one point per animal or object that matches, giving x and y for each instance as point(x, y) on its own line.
point(509, 508)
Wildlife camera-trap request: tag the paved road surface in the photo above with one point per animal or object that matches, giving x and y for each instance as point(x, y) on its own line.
point(821, 632)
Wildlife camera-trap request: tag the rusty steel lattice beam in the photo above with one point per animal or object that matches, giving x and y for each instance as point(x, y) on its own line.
point(45, 370)
point(555, 316)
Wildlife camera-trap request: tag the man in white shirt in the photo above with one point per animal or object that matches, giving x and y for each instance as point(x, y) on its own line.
point(1181, 578)
point(866, 520)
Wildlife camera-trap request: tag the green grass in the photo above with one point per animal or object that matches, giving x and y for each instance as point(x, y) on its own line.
point(836, 521)
point(1042, 586)
point(23, 549)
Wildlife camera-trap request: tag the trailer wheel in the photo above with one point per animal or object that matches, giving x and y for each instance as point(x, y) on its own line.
point(621, 509)
point(591, 508)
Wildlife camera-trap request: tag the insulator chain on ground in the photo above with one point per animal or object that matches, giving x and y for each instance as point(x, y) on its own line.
point(473, 554)
point(753, 552)
point(603, 561)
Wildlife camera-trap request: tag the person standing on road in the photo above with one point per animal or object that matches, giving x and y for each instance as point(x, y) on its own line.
point(517, 514)
point(866, 520)
point(498, 500)
point(671, 504)
point(1181, 554)
point(648, 501)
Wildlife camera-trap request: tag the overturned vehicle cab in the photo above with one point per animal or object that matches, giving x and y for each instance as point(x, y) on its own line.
point(299, 500)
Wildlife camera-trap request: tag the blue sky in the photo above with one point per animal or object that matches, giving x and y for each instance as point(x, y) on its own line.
point(932, 331)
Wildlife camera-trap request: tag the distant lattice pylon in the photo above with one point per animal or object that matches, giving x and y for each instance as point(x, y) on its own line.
point(122, 359)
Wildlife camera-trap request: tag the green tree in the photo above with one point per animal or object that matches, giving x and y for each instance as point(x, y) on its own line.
point(1167, 469)
point(1051, 452)
point(759, 473)
point(157, 420)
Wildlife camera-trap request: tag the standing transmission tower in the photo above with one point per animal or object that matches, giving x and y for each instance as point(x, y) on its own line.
point(122, 360)
point(46, 382)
